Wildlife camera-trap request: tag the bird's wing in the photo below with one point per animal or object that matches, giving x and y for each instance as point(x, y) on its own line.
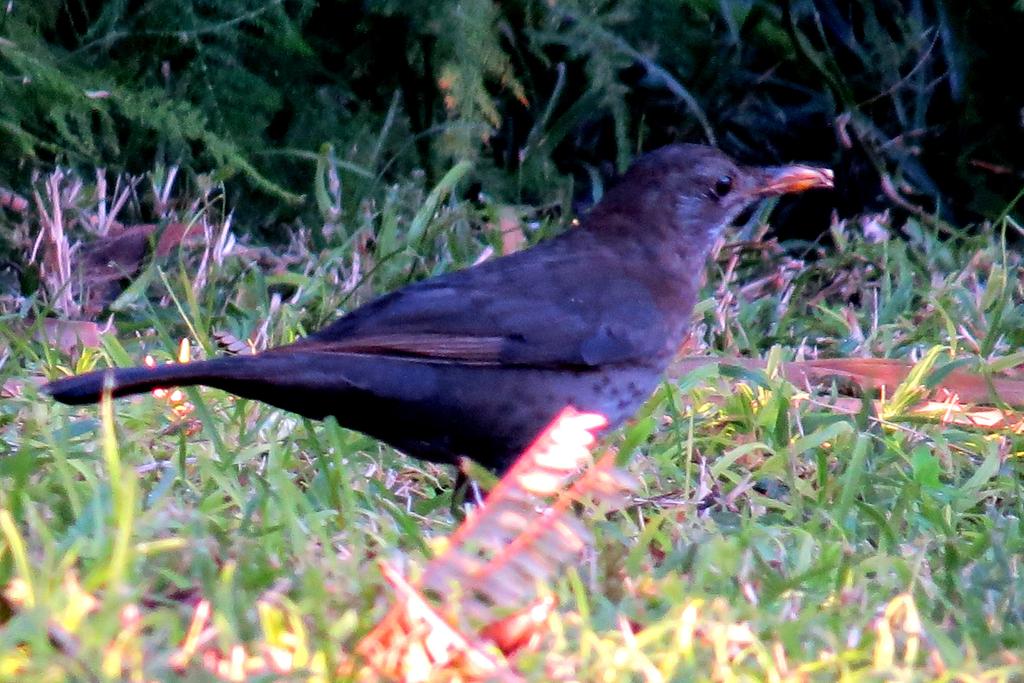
point(548, 306)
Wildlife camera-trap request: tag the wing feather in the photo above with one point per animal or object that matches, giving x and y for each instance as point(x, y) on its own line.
point(546, 307)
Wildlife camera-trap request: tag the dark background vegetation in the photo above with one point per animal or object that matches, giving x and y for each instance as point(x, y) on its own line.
point(916, 103)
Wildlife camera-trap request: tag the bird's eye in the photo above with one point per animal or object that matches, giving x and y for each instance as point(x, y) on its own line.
point(723, 186)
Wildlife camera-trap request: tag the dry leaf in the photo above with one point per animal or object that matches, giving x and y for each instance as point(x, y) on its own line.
point(103, 265)
point(954, 400)
point(486, 579)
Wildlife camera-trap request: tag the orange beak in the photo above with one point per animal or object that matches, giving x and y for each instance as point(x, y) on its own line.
point(795, 178)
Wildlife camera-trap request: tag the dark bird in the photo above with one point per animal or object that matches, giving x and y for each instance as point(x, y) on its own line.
point(476, 362)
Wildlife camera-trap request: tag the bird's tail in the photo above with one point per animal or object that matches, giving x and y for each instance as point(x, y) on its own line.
point(89, 387)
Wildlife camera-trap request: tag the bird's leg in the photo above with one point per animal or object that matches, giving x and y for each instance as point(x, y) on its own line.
point(466, 492)
point(459, 492)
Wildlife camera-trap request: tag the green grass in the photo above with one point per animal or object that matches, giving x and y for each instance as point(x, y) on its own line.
point(772, 539)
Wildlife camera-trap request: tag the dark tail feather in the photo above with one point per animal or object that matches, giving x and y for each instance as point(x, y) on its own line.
point(87, 388)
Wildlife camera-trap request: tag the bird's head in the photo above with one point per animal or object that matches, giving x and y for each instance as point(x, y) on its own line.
point(699, 190)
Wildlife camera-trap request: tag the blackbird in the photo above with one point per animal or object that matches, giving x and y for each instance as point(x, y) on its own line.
point(476, 362)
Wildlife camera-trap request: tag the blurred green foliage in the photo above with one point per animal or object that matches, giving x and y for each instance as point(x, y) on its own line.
point(909, 99)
